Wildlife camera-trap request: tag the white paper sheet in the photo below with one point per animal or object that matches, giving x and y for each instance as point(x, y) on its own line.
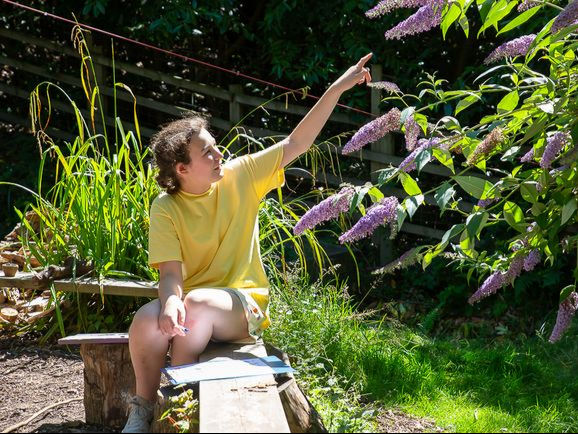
point(220, 368)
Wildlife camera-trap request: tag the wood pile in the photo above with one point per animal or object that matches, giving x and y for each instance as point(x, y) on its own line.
point(23, 306)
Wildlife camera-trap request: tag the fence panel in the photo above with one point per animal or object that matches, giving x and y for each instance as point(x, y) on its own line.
point(381, 154)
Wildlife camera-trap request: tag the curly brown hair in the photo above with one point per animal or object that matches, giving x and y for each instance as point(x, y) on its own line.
point(171, 146)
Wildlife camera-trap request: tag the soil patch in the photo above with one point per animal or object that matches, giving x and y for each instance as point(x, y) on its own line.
point(34, 378)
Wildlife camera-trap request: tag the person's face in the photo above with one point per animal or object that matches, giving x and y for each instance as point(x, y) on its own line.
point(205, 166)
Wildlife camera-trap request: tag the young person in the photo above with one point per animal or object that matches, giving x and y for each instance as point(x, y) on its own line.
point(204, 241)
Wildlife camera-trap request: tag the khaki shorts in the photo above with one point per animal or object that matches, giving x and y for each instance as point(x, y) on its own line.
point(257, 318)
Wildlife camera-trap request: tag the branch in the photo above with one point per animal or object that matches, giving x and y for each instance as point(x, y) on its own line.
point(35, 415)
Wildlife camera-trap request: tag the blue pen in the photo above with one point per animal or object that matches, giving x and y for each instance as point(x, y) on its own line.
point(183, 328)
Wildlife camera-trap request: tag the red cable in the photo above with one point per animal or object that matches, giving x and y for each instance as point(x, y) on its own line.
point(170, 53)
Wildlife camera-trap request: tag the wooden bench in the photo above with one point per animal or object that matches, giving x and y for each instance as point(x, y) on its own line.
point(247, 404)
point(250, 404)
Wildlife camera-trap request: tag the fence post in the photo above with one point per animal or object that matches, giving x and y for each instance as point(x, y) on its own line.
point(234, 110)
point(383, 146)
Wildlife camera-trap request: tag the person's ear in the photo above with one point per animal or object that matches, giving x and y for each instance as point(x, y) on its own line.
point(181, 168)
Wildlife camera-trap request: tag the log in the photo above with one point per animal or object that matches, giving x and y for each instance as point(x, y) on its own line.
point(9, 314)
point(109, 383)
point(300, 413)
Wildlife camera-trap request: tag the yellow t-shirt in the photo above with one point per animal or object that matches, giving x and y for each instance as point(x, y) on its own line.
point(216, 235)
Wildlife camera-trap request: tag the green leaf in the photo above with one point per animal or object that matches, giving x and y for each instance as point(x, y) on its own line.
point(467, 245)
point(422, 158)
point(465, 25)
point(412, 204)
point(449, 17)
point(509, 102)
point(421, 120)
point(497, 11)
point(401, 215)
point(358, 198)
point(473, 185)
point(386, 174)
point(514, 216)
point(535, 128)
point(568, 210)
point(444, 157)
point(529, 191)
point(538, 208)
point(407, 112)
point(466, 102)
point(475, 223)
point(566, 291)
point(520, 19)
point(450, 233)
point(375, 194)
point(547, 107)
point(444, 194)
point(409, 184)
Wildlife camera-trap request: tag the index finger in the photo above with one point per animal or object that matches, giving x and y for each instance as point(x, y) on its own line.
point(364, 60)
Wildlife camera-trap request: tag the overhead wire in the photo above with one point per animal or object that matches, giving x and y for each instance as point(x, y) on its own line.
point(171, 53)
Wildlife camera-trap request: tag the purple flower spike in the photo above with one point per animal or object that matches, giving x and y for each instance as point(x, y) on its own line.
point(554, 144)
point(528, 156)
point(426, 18)
point(490, 286)
point(527, 4)
point(373, 131)
point(407, 259)
point(412, 130)
point(567, 18)
point(532, 260)
point(493, 139)
point(498, 279)
point(515, 47)
point(564, 319)
point(386, 6)
point(482, 203)
point(408, 164)
point(384, 211)
point(327, 209)
point(388, 86)
point(515, 269)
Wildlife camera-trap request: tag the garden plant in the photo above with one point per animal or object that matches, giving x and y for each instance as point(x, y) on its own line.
point(517, 163)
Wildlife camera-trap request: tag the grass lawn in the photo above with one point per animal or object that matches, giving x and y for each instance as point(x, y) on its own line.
point(353, 365)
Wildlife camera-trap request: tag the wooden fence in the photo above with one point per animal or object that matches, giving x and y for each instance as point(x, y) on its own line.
point(379, 155)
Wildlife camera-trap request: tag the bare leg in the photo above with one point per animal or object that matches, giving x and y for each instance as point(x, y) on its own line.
point(148, 349)
point(211, 313)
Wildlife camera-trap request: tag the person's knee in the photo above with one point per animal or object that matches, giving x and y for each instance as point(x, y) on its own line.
point(146, 317)
point(199, 302)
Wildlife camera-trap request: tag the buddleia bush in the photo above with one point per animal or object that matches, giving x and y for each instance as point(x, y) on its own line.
point(516, 165)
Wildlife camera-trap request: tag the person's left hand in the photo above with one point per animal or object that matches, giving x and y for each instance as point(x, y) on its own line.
point(357, 74)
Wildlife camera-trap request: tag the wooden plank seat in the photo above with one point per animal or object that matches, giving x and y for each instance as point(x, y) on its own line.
point(87, 285)
point(247, 404)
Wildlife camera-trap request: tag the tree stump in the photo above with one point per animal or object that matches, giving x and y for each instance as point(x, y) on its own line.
point(109, 383)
